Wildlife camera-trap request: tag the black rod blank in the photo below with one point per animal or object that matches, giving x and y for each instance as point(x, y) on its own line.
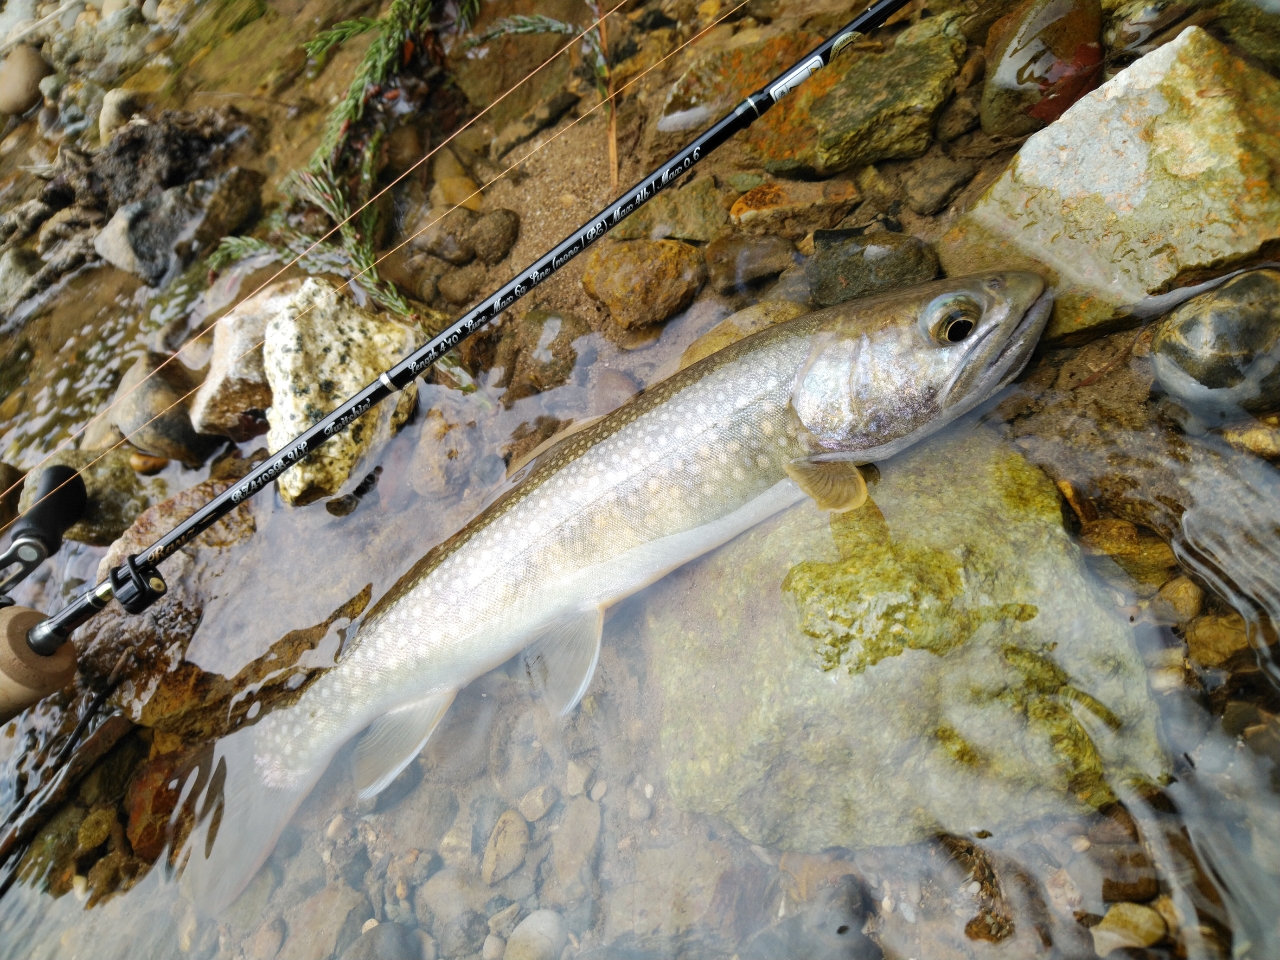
point(140, 581)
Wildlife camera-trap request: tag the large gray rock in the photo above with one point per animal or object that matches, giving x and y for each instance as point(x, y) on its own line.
point(155, 237)
point(936, 662)
point(235, 394)
point(1142, 185)
point(320, 348)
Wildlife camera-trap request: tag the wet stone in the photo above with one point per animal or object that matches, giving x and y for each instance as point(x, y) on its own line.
point(504, 921)
point(95, 830)
point(1041, 58)
point(266, 940)
point(934, 180)
point(1142, 555)
point(20, 76)
point(847, 265)
point(535, 804)
point(1213, 639)
point(1127, 925)
point(540, 936)
point(957, 118)
point(235, 395)
point(324, 924)
point(116, 494)
point(494, 234)
point(463, 935)
point(462, 285)
point(17, 266)
point(1219, 354)
point(319, 350)
point(792, 209)
point(735, 263)
point(537, 352)
point(506, 849)
point(386, 941)
point(1127, 872)
point(643, 282)
point(574, 846)
point(451, 239)
point(699, 212)
point(150, 408)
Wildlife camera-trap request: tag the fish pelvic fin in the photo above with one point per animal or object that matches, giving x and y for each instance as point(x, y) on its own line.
point(393, 740)
point(222, 857)
point(836, 485)
point(562, 660)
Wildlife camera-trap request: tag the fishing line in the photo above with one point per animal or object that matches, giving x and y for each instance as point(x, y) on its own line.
point(427, 156)
point(399, 246)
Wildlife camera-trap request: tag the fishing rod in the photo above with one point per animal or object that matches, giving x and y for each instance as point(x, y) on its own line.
point(136, 583)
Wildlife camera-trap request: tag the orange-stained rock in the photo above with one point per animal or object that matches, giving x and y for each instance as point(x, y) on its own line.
point(644, 282)
point(793, 208)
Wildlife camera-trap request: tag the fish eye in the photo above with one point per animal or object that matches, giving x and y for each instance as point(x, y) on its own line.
point(956, 319)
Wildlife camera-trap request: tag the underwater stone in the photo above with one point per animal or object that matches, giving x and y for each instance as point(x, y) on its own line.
point(117, 107)
point(537, 352)
point(20, 76)
point(1041, 58)
point(320, 349)
point(235, 395)
point(461, 286)
point(506, 848)
point(698, 212)
point(325, 924)
point(644, 282)
point(450, 238)
point(386, 941)
point(1219, 354)
point(1212, 640)
point(573, 848)
point(494, 234)
point(542, 935)
point(116, 494)
point(150, 408)
point(1143, 184)
point(848, 265)
point(934, 180)
point(735, 262)
point(899, 672)
point(1127, 925)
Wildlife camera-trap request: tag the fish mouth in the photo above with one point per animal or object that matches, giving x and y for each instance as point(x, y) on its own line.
point(1028, 331)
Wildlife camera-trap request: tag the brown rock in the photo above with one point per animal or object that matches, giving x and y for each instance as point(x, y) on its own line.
point(538, 353)
point(573, 848)
point(793, 208)
point(1181, 597)
point(1127, 872)
point(1212, 640)
point(152, 795)
point(1127, 925)
point(494, 234)
point(1260, 437)
point(462, 192)
point(449, 238)
point(506, 849)
point(146, 464)
point(934, 179)
point(20, 76)
point(735, 262)
point(1143, 556)
point(462, 285)
point(325, 924)
point(644, 282)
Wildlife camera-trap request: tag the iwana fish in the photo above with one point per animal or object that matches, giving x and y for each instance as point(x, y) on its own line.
point(677, 471)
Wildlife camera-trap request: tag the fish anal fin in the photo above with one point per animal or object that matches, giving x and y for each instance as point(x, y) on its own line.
point(561, 662)
point(393, 740)
point(836, 485)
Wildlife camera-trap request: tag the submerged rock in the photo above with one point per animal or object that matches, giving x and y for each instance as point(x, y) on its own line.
point(1144, 184)
point(154, 238)
point(538, 352)
point(1041, 58)
point(733, 263)
point(319, 350)
point(494, 234)
point(235, 395)
point(116, 494)
point(150, 408)
point(935, 180)
point(898, 672)
point(1219, 354)
point(20, 76)
point(644, 282)
point(848, 265)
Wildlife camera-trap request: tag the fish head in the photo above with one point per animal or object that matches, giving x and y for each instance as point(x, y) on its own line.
point(885, 372)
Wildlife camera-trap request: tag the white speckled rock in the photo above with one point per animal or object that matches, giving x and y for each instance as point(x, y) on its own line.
point(540, 936)
point(1160, 174)
point(320, 348)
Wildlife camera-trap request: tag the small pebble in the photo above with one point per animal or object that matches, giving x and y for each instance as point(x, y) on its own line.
point(576, 779)
point(599, 790)
point(534, 805)
point(1080, 844)
point(493, 948)
point(540, 936)
point(1127, 925)
point(146, 464)
point(648, 791)
point(369, 925)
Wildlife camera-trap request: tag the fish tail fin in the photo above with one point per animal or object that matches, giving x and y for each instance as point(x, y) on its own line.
point(240, 816)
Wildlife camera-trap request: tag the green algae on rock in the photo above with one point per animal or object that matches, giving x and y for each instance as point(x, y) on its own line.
point(1154, 180)
point(901, 672)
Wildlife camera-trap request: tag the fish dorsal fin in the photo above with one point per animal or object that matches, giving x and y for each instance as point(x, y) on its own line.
point(551, 441)
point(833, 484)
point(393, 740)
point(561, 662)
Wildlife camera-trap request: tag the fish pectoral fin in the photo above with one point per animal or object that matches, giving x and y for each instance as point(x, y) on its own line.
point(833, 484)
point(393, 740)
point(561, 662)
